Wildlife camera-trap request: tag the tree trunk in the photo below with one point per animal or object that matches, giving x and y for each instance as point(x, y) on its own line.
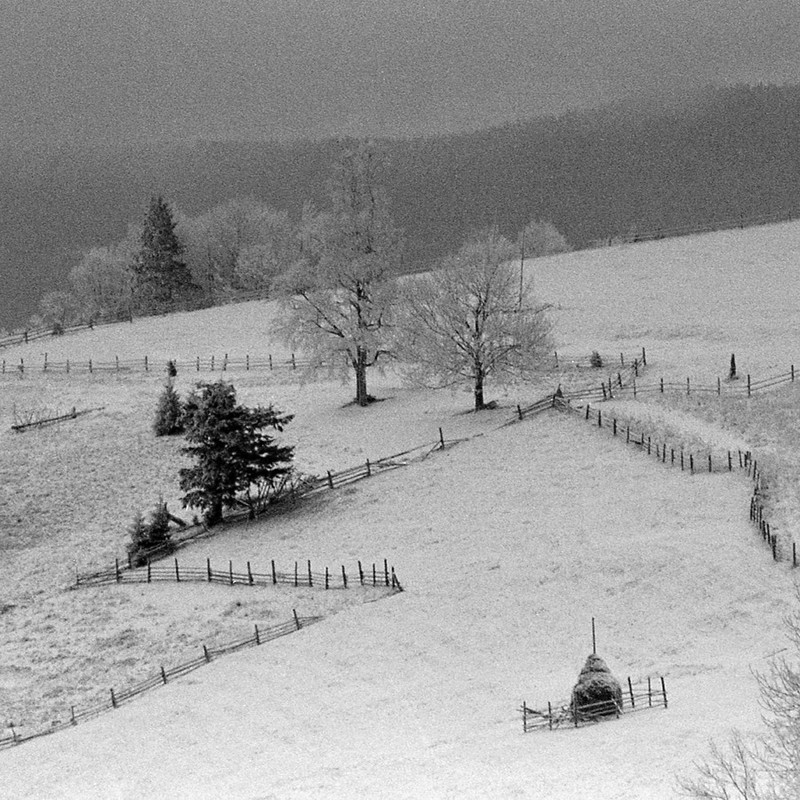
point(478, 389)
point(360, 366)
point(214, 513)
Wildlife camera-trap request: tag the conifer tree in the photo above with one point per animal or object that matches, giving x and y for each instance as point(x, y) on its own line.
point(162, 278)
point(230, 449)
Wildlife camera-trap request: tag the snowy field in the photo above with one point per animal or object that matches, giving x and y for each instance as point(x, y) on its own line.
point(507, 545)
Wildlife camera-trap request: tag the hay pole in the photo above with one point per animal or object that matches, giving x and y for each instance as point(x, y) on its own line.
point(594, 638)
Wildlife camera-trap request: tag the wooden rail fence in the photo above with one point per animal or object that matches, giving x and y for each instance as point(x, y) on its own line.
point(302, 575)
point(692, 462)
point(117, 697)
point(213, 363)
point(640, 696)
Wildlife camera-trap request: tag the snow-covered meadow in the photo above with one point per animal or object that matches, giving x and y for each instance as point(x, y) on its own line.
point(507, 546)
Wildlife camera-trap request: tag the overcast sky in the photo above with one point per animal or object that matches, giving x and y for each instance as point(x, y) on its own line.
point(265, 69)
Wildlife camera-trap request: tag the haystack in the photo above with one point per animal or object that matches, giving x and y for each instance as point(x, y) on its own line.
point(596, 688)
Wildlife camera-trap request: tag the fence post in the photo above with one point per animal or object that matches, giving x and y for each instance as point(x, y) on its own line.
point(550, 714)
point(249, 574)
point(258, 638)
point(630, 689)
point(149, 576)
point(296, 619)
point(691, 463)
point(72, 715)
point(44, 369)
point(730, 462)
point(664, 691)
point(662, 386)
point(295, 574)
point(649, 693)
point(587, 411)
point(294, 363)
point(792, 373)
point(369, 472)
point(198, 363)
point(177, 572)
point(614, 425)
point(247, 362)
point(386, 570)
point(208, 569)
point(709, 463)
point(212, 363)
point(441, 438)
point(519, 410)
point(330, 480)
point(116, 569)
point(163, 675)
point(230, 572)
point(374, 575)
point(644, 357)
point(274, 575)
point(225, 363)
point(326, 577)
point(146, 366)
point(794, 554)
point(360, 573)
point(206, 654)
point(599, 418)
point(270, 362)
point(748, 384)
point(688, 387)
point(310, 581)
point(719, 386)
point(344, 577)
point(113, 699)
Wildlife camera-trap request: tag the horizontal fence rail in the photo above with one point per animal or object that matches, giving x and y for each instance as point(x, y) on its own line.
point(248, 363)
point(302, 575)
point(118, 696)
point(639, 696)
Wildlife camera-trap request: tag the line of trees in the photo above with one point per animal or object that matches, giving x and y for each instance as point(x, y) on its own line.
point(337, 273)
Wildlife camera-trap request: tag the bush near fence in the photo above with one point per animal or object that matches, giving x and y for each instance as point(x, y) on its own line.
point(117, 697)
point(640, 696)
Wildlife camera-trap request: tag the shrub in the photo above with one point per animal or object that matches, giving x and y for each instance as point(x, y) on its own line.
point(169, 414)
point(596, 360)
point(147, 537)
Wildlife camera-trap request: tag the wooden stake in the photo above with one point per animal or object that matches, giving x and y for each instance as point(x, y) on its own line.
point(163, 675)
point(206, 654)
point(249, 574)
point(310, 580)
point(630, 689)
point(344, 577)
point(274, 575)
point(296, 619)
point(664, 691)
point(208, 569)
point(258, 638)
point(594, 639)
point(177, 572)
point(441, 438)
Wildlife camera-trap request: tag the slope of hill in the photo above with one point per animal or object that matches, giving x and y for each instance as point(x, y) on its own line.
point(728, 154)
point(507, 545)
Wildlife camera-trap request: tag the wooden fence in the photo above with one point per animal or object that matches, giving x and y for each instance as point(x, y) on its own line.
point(213, 363)
point(117, 697)
point(692, 462)
point(330, 481)
point(640, 696)
point(377, 576)
point(728, 223)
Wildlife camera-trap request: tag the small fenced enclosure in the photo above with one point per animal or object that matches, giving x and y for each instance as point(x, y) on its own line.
point(376, 576)
point(640, 696)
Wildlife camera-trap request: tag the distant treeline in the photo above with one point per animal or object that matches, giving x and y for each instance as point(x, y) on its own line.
point(723, 154)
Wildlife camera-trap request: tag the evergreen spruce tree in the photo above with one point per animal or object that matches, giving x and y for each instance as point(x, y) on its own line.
point(162, 278)
point(169, 414)
point(231, 451)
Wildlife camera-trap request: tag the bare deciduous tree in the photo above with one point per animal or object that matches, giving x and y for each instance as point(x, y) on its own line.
point(471, 320)
point(766, 767)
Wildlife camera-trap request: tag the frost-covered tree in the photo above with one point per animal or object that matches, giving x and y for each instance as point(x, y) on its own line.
point(766, 767)
point(464, 323)
point(102, 282)
point(162, 278)
point(234, 458)
point(540, 238)
point(339, 295)
point(240, 245)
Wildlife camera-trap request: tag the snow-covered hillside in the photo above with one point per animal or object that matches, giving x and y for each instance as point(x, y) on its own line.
point(507, 546)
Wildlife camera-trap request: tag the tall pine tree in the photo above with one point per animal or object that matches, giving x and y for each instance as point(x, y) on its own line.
point(162, 278)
